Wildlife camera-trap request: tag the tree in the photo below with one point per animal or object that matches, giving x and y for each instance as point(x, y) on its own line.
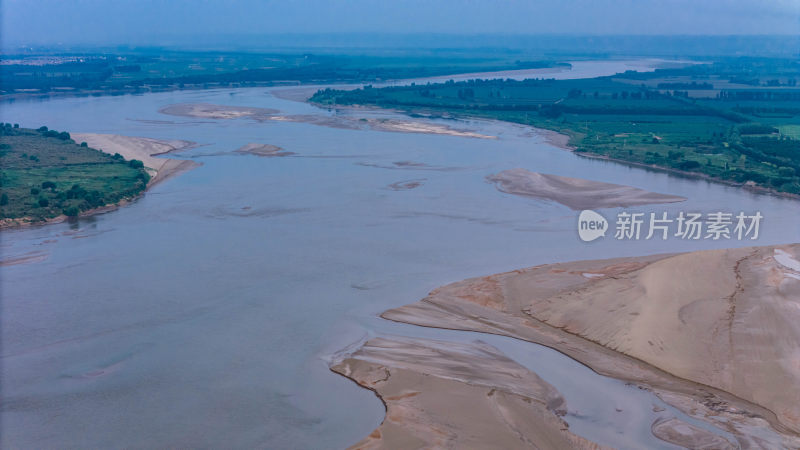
point(49, 185)
point(3, 199)
point(43, 202)
point(136, 164)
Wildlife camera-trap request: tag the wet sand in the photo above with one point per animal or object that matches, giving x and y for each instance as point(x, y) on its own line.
point(145, 150)
point(576, 193)
point(448, 395)
point(720, 344)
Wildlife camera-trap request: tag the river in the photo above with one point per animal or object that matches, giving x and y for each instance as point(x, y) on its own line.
point(204, 313)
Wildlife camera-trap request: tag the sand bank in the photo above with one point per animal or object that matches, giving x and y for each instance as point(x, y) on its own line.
point(265, 150)
point(143, 149)
point(575, 193)
point(713, 333)
point(448, 395)
point(209, 111)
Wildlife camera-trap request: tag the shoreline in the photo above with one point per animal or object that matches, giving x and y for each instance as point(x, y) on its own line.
point(552, 305)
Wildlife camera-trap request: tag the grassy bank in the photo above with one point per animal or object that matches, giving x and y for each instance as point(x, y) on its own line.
point(46, 174)
point(734, 120)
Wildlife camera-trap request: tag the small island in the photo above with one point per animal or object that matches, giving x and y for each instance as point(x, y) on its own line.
point(48, 176)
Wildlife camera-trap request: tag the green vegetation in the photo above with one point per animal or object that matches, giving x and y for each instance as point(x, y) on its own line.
point(733, 120)
point(163, 70)
point(45, 174)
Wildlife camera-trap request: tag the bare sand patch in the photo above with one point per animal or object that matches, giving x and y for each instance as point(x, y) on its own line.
point(713, 333)
point(575, 193)
point(210, 111)
point(411, 126)
point(449, 395)
point(264, 150)
point(145, 150)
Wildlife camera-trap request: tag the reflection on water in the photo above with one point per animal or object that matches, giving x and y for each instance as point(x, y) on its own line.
point(202, 314)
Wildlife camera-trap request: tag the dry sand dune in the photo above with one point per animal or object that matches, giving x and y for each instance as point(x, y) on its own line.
point(145, 150)
point(575, 193)
point(714, 333)
point(448, 395)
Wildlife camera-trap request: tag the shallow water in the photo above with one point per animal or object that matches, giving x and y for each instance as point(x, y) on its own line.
point(202, 315)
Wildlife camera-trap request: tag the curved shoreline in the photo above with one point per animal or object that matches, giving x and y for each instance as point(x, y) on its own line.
point(512, 304)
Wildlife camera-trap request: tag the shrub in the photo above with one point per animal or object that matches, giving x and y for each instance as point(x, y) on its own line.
point(136, 164)
point(43, 202)
point(84, 144)
point(71, 211)
point(35, 191)
point(3, 199)
point(48, 185)
point(786, 171)
point(689, 165)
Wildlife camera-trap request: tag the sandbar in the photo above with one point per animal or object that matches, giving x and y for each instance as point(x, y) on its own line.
point(145, 150)
point(575, 193)
point(713, 333)
point(449, 395)
point(211, 111)
point(264, 150)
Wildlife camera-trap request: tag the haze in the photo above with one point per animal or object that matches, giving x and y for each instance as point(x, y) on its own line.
point(153, 22)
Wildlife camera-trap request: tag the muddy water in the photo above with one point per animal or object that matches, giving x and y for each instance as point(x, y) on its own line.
point(202, 315)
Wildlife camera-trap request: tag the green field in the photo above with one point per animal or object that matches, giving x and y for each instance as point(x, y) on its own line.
point(45, 174)
point(743, 128)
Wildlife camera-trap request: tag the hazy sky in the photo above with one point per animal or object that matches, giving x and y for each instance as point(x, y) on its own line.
point(153, 21)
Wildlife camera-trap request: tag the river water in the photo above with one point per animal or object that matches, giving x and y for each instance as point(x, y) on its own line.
point(204, 314)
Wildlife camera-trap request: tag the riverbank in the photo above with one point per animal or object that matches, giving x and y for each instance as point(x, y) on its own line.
point(715, 346)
